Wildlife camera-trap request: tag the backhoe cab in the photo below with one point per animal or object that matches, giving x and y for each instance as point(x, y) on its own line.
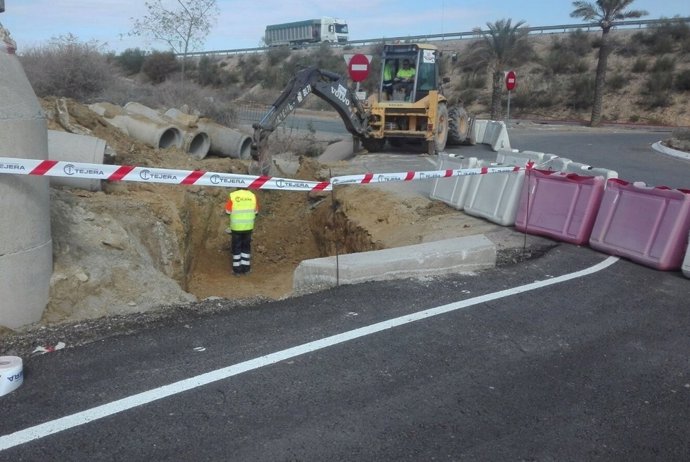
point(416, 109)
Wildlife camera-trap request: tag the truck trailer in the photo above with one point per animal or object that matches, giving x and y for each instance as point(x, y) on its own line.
point(310, 31)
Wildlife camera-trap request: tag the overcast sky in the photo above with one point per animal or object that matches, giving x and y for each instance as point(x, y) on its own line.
point(241, 24)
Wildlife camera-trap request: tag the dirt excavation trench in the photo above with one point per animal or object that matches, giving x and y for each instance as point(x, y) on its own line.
point(291, 227)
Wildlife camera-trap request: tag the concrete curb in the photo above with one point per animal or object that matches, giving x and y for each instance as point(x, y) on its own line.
point(463, 254)
point(669, 151)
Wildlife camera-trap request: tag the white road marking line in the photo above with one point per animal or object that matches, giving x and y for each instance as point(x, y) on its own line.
point(105, 410)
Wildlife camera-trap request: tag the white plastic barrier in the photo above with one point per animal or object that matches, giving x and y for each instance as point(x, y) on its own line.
point(479, 129)
point(498, 139)
point(453, 191)
point(495, 197)
point(686, 262)
point(558, 164)
point(521, 158)
point(588, 170)
point(490, 132)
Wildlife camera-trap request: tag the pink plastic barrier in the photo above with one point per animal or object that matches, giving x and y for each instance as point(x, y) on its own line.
point(686, 262)
point(647, 225)
point(559, 205)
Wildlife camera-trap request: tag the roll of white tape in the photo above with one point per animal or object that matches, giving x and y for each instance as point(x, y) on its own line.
point(11, 374)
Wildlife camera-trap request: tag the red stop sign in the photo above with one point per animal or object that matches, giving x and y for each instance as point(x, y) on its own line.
point(511, 80)
point(358, 67)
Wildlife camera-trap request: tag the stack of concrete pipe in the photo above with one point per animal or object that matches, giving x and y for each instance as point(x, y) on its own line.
point(225, 142)
point(193, 141)
point(153, 133)
point(197, 136)
point(26, 246)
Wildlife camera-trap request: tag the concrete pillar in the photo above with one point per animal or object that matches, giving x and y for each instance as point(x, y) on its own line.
point(25, 240)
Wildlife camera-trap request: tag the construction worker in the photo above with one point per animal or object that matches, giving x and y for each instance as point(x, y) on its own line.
point(242, 207)
point(388, 74)
point(405, 77)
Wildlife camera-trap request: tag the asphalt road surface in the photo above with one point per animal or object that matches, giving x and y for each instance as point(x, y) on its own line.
point(570, 356)
point(591, 368)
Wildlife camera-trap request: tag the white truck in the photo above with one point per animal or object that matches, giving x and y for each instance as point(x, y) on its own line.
point(310, 31)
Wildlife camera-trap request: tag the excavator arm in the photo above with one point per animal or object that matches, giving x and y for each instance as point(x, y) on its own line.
point(327, 85)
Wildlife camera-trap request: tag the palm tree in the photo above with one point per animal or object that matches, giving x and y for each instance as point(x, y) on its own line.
point(501, 46)
point(603, 13)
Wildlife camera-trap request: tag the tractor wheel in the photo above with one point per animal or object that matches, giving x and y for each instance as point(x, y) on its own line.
point(374, 144)
point(458, 125)
point(440, 131)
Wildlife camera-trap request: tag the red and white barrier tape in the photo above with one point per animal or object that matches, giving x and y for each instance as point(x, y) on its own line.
point(423, 175)
point(153, 175)
point(66, 169)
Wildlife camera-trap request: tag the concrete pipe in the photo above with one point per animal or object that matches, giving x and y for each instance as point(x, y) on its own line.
point(26, 246)
point(188, 120)
point(147, 131)
point(227, 142)
point(195, 142)
point(137, 108)
point(154, 133)
point(107, 110)
point(63, 146)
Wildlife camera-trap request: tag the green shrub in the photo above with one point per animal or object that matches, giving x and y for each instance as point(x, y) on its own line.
point(131, 60)
point(250, 69)
point(617, 81)
point(469, 96)
point(535, 99)
point(639, 66)
point(630, 48)
point(656, 90)
point(541, 93)
point(324, 58)
point(663, 64)
point(579, 43)
point(658, 44)
point(681, 81)
point(666, 38)
point(276, 55)
point(565, 57)
point(581, 93)
point(158, 66)
point(473, 80)
point(68, 68)
point(657, 82)
point(209, 72)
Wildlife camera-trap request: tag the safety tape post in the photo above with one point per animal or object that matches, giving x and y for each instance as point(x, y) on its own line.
point(66, 169)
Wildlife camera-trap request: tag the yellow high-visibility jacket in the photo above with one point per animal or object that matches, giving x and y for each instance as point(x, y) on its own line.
point(242, 207)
